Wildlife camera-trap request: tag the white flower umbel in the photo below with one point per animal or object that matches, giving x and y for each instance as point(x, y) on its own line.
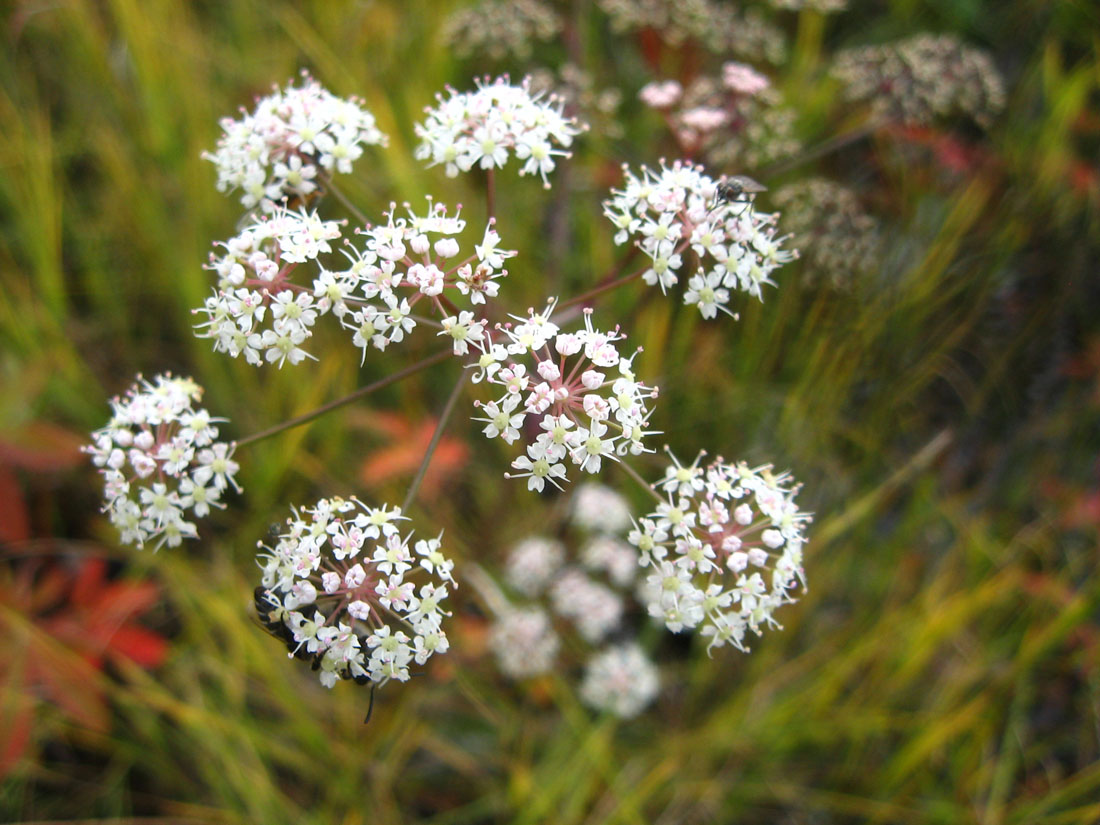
point(598, 508)
point(621, 680)
point(344, 589)
point(532, 563)
point(575, 387)
point(264, 308)
point(677, 217)
point(725, 550)
point(484, 128)
point(415, 259)
point(160, 458)
point(611, 556)
point(594, 609)
point(922, 78)
point(552, 596)
point(524, 642)
point(289, 142)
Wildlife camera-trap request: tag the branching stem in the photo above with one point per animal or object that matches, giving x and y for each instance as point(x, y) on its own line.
point(305, 418)
point(436, 436)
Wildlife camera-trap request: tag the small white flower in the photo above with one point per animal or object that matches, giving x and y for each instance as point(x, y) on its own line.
point(523, 642)
point(532, 563)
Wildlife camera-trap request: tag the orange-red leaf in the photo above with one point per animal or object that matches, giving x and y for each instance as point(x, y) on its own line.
point(15, 729)
point(15, 522)
point(41, 447)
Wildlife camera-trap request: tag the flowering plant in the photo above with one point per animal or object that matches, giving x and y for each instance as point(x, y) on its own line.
point(723, 548)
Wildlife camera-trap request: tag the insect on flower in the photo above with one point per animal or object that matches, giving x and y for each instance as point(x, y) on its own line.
point(733, 188)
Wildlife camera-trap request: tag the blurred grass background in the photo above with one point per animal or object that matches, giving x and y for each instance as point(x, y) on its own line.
point(943, 667)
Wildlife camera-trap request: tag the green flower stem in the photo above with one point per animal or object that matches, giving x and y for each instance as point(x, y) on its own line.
point(634, 474)
point(431, 360)
point(330, 186)
point(436, 436)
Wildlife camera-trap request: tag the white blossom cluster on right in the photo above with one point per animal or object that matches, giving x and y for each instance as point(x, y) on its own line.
point(291, 140)
point(724, 551)
point(484, 128)
point(678, 218)
point(160, 457)
point(338, 588)
point(585, 412)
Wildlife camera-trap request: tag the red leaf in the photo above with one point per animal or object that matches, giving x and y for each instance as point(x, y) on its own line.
point(41, 447)
point(15, 521)
point(15, 731)
point(121, 600)
point(143, 647)
point(89, 580)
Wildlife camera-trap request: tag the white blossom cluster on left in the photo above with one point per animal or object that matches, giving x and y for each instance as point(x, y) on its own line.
point(338, 588)
point(256, 282)
point(160, 458)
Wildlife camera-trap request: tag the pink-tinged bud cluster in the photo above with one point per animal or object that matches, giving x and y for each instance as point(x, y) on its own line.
point(574, 389)
point(838, 239)
point(260, 279)
point(416, 259)
point(724, 551)
point(338, 588)
point(735, 120)
point(823, 6)
point(160, 458)
point(486, 127)
point(677, 217)
point(292, 139)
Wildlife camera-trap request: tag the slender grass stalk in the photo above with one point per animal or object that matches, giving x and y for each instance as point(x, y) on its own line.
point(490, 194)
